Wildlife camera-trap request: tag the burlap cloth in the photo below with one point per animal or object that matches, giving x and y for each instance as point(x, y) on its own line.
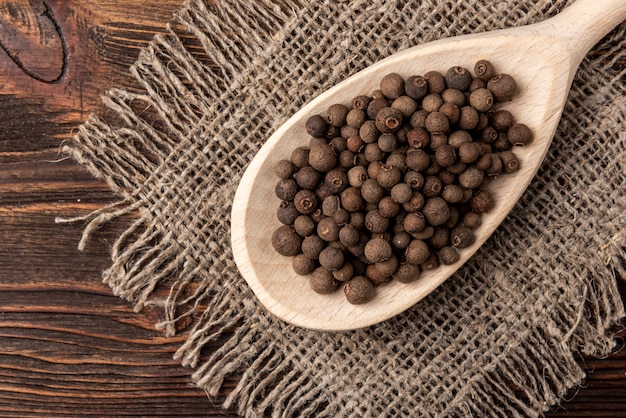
point(497, 339)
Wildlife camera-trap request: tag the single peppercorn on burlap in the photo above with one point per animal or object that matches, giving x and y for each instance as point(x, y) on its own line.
point(499, 338)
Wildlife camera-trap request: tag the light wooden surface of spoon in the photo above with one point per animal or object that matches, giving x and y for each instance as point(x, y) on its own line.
point(542, 58)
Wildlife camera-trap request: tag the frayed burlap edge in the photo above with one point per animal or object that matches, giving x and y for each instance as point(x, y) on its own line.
point(518, 385)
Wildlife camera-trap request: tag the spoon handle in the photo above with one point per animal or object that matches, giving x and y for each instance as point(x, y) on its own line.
point(585, 23)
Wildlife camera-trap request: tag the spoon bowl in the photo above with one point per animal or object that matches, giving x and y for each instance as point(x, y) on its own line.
point(542, 58)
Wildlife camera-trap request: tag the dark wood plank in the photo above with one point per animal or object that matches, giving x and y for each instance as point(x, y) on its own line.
point(67, 345)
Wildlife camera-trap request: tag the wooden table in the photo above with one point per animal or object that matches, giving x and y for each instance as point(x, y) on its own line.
point(67, 345)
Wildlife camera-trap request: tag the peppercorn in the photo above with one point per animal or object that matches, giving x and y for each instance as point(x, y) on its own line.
point(406, 272)
point(432, 102)
point(368, 132)
point(436, 82)
point(359, 290)
point(481, 100)
point(461, 236)
point(436, 211)
point(307, 178)
point(503, 87)
point(322, 158)
point(482, 202)
point(448, 255)
point(471, 178)
point(484, 70)
point(417, 252)
point(416, 87)
point(303, 265)
point(375, 222)
point(286, 189)
point(286, 241)
point(458, 78)
point(519, 134)
point(322, 281)
point(287, 213)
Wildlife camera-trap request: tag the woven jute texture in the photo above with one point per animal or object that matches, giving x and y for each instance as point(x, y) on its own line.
point(497, 339)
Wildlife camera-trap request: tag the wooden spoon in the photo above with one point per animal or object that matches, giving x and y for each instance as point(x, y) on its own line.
point(542, 58)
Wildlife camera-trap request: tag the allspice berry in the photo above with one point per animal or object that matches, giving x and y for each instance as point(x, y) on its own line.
point(401, 193)
point(416, 87)
point(388, 176)
point(461, 236)
point(368, 132)
point(355, 118)
point(307, 178)
point(388, 207)
point(503, 87)
point(468, 119)
point(437, 122)
point(436, 82)
point(287, 213)
point(284, 169)
point(388, 119)
point(351, 199)
point(322, 157)
point(484, 70)
point(359, 290)
point(432, 102)
point(448, 255)
point(349, 235)
point(303, 265)
point(377, 250)
point(345, 272)
point(481, 100)
point(305, 201)
point(328, 230)
point(436, 211)
point(286, 241)
point(331, 258)
point(417, 252)
point(375, 222)
point(471, 178)
point(406, 272)
point(519, 134)
point(414, 222)
point(322, 281)
point(458, 78)
point(445, 155)
point(392, 85)
point(510, 162)
point(372, 191)
point(286, 189)
point(336, 114)
point(300, 157)
point(482, 202)
point(405, 105)
point(501, 120)
point(360, 102)
point(316, 126)
point(304, 225)
point(312, 246)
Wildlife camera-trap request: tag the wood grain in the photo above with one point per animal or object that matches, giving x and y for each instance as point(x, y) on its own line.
point(68, 347)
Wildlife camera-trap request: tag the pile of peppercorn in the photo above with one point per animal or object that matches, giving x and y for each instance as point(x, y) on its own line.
point(395, 183)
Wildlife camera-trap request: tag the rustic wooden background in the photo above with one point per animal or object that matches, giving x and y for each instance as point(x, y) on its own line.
point(67, 345)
